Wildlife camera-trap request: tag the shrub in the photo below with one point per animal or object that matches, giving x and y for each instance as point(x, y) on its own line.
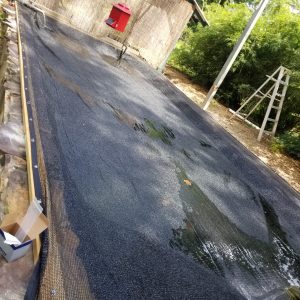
point(288, 143)
point(275, 41)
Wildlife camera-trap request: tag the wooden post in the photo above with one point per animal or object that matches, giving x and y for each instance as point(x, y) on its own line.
point(36, 242)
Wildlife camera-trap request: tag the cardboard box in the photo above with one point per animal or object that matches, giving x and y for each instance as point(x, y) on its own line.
point(11, 224)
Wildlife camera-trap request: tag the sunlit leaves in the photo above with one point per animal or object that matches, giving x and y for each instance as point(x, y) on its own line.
point(275, 41)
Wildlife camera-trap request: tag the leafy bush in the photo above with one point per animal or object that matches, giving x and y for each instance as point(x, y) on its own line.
point(288, 143)
point(275, 41)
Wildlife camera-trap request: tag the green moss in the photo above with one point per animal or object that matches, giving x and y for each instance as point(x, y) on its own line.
point(2, 17)
point(158, 133)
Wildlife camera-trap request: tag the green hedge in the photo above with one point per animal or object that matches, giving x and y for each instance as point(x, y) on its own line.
point(288, 143)
point(275, 41)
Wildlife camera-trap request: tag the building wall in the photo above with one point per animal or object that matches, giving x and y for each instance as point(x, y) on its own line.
point(153, 30)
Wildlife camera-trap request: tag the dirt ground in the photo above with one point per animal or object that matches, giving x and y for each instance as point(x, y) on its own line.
point(287, 167)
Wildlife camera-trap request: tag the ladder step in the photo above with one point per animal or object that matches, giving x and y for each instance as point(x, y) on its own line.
point(275, 80)
point(269, 96)
point(276, 92)
point(267, 132)
point(265, 96)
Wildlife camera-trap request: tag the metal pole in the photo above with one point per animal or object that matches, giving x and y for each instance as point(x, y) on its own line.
point(235, 52)
point(204, 20)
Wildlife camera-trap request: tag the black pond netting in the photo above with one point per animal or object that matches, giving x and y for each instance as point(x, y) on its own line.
point(146, 198)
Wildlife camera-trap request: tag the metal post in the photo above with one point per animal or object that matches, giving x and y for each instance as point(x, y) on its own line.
point(235, 52)
point(204, 20)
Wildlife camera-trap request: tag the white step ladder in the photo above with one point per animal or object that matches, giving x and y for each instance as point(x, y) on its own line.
point(274, 88)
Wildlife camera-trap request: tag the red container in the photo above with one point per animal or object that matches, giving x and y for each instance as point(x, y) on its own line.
point(119, 17)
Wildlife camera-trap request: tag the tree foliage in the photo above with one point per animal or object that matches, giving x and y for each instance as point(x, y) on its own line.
point(275, 41)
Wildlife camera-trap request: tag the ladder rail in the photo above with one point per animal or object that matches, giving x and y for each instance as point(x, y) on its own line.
point(285, 87)
point(262, 129)
point(279, 78)
point(273, 79)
